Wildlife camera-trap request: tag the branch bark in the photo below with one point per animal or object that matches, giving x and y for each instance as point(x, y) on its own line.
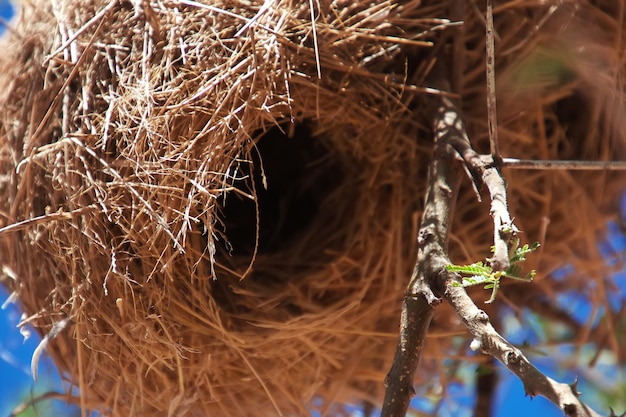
point(492, 343)
point(420, 301)
point(430, 276)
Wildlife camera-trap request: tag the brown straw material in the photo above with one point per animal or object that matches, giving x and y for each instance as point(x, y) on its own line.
point(222, 197)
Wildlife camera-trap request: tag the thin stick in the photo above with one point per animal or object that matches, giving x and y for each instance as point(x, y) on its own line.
point(491, 86)
point(564, 396)
point(564, 165)
point(484, 172)
point(315, 44)
point(45, 218)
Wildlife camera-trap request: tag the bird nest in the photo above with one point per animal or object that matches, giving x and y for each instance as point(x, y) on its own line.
point(213, 206)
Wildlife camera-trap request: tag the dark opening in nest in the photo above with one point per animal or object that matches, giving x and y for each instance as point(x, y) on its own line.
point(296, 178)
point(290, 173)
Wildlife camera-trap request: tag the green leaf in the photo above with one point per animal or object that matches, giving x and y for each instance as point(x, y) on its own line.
point(474, 269)
point(474, 280)
point(479, 273)
point(513, 271)
point(520, 253)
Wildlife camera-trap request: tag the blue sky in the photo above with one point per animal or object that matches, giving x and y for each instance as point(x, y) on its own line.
point(6, 10)
point(16, 381)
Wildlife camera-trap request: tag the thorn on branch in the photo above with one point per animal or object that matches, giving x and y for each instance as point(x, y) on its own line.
point(574, 387)
point(420, 287)
point(615, 415)
point(530, 390)
point(508, 231)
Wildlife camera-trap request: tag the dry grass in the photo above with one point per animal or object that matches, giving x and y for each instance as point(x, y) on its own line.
point(223, 198)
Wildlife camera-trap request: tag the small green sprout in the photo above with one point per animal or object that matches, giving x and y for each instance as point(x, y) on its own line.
point(480, 273)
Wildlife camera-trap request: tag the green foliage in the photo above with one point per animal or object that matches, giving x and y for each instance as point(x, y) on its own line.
point(480, 273)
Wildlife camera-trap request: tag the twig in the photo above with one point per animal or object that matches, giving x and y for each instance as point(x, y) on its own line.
point(492, 115)
point(457, 13)
point(50, 395)
point(563, 395)
point(315, 44)
point(565, 165)
point(77, 66)
point(484, 172)
point(45, 218)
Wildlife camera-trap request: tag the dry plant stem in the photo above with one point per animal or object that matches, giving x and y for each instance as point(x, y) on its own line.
point(567, 165)
point(492, 343)
point(50, 395)
point(491, 84)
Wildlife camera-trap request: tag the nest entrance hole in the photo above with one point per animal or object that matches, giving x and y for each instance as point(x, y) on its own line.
point(290, 173)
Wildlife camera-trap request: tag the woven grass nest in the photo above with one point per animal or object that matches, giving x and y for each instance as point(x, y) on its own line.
point(215, 203)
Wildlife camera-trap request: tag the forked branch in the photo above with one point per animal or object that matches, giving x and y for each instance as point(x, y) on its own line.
point(431, 279)
point(492, 343)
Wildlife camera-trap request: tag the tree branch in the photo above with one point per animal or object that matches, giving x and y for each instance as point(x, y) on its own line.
point(431, 277)
point(535, 383)
point(484, 171)
point(420, 301)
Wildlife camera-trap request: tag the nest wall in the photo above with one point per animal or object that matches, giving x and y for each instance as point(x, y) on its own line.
point(213, 205)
